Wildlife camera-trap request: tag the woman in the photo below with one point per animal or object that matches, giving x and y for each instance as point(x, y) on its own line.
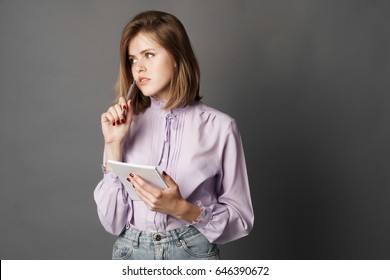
point(164, 124)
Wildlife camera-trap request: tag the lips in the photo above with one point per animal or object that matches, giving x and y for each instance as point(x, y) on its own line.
point(142, 80)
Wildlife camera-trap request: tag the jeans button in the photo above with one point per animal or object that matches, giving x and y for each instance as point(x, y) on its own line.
point(157, 237)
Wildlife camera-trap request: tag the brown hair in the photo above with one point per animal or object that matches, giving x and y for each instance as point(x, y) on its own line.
point(170, 33)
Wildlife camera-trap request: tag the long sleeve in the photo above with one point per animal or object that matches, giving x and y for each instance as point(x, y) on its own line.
point(112, 203)
point(232, 216)
point(201, 149)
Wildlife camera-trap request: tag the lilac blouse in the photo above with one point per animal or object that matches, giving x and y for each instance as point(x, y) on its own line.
point(201, 149)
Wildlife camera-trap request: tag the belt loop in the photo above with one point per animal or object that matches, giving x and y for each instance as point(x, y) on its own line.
point(136, 239)
point(176, 236)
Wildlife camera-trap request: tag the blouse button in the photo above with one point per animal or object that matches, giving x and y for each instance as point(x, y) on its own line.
point(157, 237)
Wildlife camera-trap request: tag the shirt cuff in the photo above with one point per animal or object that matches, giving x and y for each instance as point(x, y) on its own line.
point(204, 218)
point(109, 176)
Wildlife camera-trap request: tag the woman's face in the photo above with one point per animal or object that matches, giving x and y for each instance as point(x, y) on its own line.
point(151, 66)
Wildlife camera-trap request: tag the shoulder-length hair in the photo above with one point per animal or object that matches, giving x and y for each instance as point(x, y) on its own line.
point(169, 33)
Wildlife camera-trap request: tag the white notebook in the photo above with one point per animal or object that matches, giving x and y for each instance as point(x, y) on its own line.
point(149, 174)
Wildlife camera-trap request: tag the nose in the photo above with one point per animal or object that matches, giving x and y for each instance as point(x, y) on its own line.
point(139, 66)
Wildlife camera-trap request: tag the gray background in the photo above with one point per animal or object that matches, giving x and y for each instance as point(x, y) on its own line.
point(307, 81)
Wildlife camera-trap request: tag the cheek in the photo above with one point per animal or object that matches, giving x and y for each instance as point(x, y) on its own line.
point(133, 72)
point(165, 69)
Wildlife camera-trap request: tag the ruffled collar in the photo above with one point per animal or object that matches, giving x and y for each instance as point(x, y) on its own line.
point(158, 105)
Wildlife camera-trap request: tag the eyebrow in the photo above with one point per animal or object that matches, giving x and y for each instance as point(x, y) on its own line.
point(144, 51)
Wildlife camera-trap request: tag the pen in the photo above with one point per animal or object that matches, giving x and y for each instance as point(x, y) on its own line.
point(128, 96)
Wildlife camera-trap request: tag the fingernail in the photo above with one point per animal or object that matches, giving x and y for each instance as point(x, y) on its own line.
point(123, 120)
point(164, 173)
point(131, 175)
point(113, 123)
point(128, 179)
point(124, 107)
point(118, 122)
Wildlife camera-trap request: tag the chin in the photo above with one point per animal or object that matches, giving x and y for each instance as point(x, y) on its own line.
point(149, 95)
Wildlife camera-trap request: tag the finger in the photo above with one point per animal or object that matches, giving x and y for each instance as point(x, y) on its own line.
point(109, 117)
point(104, 118)
point(126, 112)
point(119, 110)
point(123, 105)
point(145, 188)
point(146, 197)
point(168, 179)
point(114, 114)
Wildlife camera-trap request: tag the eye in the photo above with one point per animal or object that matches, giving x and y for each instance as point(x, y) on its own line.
point(132, 60)
point(149, 55)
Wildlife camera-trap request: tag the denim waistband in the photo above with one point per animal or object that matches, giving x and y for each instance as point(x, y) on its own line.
point(139, 236)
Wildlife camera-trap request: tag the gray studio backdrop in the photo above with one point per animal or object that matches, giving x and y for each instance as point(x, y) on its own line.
point(307, 81)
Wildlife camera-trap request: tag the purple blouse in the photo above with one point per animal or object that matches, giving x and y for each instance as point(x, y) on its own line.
point(201, 149)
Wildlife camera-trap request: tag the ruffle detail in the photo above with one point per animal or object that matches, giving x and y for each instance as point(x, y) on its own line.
point(104, 169)
point(204, 217)
point(109, 176)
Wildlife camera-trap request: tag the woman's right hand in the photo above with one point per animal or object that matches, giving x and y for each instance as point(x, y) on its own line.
point(115, 126)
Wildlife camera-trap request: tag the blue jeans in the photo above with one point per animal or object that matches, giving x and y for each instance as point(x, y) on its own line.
point(185, 243)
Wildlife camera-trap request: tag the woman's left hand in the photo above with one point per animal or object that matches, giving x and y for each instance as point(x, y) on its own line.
point(168, 201)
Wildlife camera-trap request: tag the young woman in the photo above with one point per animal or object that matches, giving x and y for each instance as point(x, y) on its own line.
point(208, 199)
